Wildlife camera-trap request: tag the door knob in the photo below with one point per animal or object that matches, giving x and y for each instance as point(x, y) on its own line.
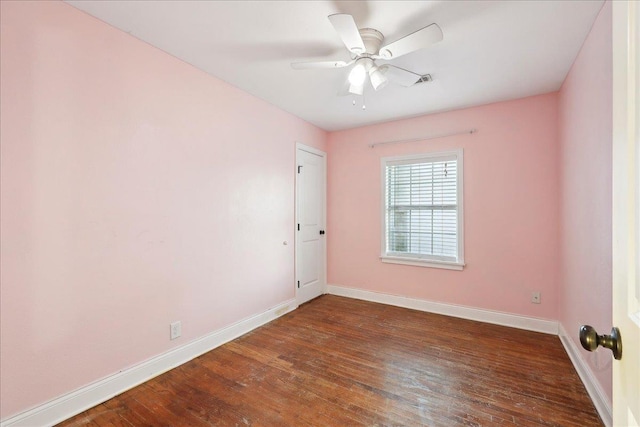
point(590, 340)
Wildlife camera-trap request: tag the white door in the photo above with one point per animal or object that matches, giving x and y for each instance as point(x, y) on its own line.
point(310, 223)
point(626, 196)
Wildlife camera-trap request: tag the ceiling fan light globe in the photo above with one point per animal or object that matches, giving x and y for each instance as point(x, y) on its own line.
point(357, 75)
point(380, 85)
point(378, 79)
point(356, 89)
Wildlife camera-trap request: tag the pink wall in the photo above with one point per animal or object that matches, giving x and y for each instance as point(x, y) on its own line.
point(136, 191)
point(510, 202)
point(585, 133)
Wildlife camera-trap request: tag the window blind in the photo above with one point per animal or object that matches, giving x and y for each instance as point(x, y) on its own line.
point(422, 208)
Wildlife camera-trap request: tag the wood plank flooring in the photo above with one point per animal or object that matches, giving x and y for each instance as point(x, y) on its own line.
point(343, 362)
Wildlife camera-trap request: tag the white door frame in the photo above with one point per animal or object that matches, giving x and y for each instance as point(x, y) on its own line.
point(308, 149)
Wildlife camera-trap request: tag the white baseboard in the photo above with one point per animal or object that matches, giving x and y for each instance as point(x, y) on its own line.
point(470, 313)
point(598, 396)
point(73, 403)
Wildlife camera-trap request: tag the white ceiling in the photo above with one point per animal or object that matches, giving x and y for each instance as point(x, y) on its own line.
point(492, 50)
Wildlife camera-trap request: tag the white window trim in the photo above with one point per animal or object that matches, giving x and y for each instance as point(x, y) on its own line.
point(433, 263)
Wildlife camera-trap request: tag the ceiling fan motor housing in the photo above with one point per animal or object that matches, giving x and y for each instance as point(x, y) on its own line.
point(372, 40)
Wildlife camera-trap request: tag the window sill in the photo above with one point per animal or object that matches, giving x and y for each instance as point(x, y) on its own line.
point(423, 263)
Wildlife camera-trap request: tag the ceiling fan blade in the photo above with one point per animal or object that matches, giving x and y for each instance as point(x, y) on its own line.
point(347, 29)
point(319, 65)
point(420, 39)
point(399, 75)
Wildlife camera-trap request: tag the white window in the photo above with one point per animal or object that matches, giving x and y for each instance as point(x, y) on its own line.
point(422, 210)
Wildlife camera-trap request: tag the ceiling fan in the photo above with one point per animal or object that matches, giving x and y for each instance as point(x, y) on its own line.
point(365, 45)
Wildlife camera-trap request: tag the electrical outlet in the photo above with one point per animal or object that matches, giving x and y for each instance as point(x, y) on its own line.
point(175, 330)
point(535, 297)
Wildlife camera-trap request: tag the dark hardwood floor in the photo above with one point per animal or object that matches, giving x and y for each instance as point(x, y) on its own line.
point(343, 362)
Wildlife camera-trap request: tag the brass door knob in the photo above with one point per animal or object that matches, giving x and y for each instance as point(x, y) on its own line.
point(590, 340)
